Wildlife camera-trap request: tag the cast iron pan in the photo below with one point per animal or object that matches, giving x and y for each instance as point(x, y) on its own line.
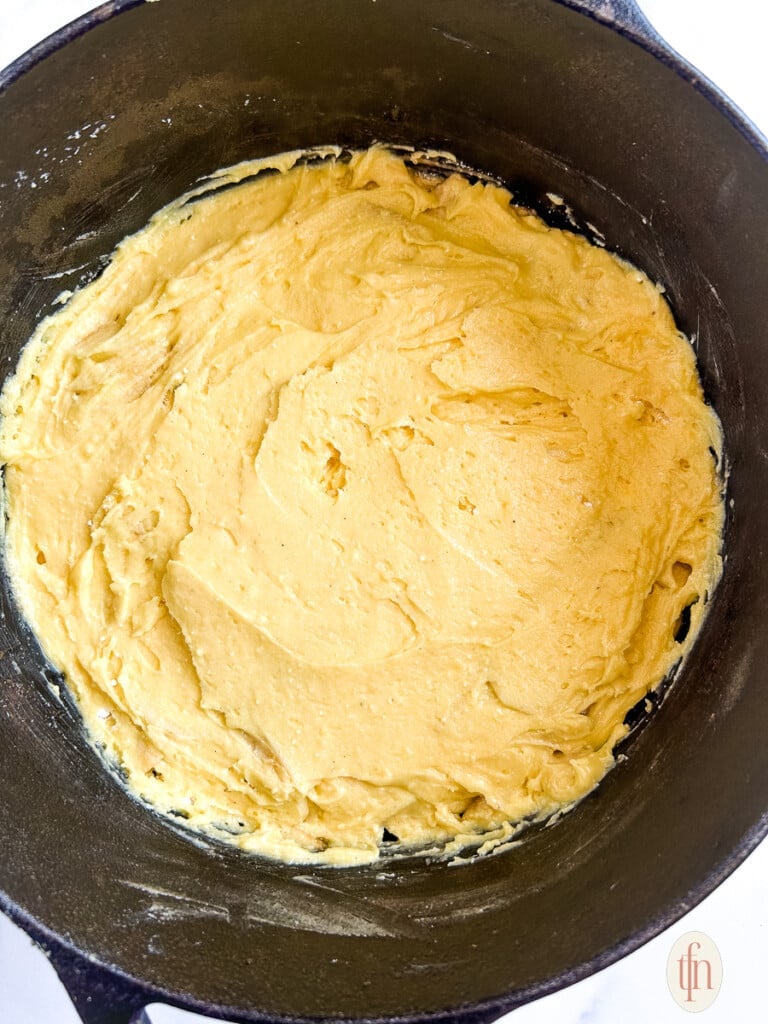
point(120, 113)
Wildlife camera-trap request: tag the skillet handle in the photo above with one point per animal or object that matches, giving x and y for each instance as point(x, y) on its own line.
point(100, 996)
point(624, 14)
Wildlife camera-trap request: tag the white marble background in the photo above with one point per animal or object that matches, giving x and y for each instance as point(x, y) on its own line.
point(727, 42)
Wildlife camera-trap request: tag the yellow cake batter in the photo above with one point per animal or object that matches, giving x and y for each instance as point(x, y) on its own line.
point(347, 500)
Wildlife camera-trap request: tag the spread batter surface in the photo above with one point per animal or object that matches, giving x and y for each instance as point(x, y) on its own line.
point(350, 501)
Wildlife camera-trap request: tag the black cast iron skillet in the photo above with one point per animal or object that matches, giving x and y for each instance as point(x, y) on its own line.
point(123, 111)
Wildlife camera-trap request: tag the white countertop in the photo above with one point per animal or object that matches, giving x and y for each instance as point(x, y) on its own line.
point(727, 42)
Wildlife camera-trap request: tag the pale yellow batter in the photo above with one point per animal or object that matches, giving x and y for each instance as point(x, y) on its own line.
point(347, 501)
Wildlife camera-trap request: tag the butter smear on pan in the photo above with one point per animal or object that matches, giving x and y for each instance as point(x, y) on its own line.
point(359, 506)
